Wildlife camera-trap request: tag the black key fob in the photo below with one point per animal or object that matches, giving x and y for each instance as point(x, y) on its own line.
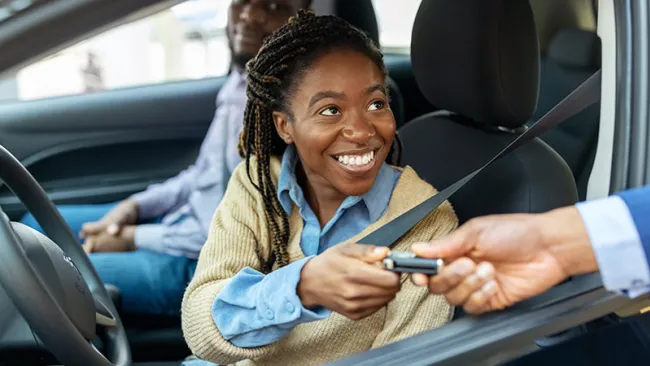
point(405, 262)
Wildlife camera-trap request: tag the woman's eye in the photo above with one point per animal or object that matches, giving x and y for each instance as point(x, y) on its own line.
point(330, 111)
point(377, 105)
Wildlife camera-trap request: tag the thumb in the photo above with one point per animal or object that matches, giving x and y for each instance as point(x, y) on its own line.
point(366, 253)
point(454, 245)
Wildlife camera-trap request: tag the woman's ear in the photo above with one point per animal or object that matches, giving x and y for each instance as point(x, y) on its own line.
point(283, 126)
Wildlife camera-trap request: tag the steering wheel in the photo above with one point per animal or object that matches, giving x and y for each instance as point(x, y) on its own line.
point(53, 283)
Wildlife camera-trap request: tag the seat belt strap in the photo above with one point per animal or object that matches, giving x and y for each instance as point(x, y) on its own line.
point(582, 97)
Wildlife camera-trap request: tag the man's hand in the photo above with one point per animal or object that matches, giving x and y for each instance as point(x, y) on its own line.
point(125, 213)
point(106, 242)
point(345, 280)
point(496, 261)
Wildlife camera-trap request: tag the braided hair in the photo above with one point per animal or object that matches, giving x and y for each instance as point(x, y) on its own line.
point(272, 76)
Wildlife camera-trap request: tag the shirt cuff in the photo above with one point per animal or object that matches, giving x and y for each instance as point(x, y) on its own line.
point(617, 245)
point(254, 310)
point(279, 297)
point(149, 236)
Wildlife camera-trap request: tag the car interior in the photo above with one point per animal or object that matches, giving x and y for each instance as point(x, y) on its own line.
point(461, 96)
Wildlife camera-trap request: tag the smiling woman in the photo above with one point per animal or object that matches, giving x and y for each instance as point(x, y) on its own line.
point(281, 279)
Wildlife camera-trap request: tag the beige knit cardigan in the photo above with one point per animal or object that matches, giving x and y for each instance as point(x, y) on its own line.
point(239, 225)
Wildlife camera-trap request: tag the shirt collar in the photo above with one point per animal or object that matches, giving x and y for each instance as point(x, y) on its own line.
point(375, 200)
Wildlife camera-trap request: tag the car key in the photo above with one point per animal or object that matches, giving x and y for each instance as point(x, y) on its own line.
point(406, 262)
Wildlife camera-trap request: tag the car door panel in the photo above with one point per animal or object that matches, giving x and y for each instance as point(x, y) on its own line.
point(102, 147)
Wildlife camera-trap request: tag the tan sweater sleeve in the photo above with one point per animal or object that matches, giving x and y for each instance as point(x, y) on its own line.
point(230, 247)
point(414, 310)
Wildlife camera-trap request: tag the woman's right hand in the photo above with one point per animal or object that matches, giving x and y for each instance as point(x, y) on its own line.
point(344, 279)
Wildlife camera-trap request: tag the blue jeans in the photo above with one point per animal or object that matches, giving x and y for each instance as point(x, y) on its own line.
point(150, 282)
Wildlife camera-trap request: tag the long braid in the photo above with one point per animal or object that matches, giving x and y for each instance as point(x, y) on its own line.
point(282, 59)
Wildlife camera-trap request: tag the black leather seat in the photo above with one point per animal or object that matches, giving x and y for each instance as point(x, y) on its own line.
point(479, 60)
point(573, 56)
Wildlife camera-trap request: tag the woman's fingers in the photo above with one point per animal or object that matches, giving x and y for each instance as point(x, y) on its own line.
point(470, 284)
point(367, 274)
point(359, 309)
point(451, 276)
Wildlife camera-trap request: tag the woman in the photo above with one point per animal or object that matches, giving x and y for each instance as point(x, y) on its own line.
point(280, 280)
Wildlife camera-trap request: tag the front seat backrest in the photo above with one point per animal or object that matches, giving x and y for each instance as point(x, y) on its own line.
point(573, 56)
point(479, 61)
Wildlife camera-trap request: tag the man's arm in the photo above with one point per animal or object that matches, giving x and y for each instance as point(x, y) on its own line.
point(615, 236)
point(526, 254)
point(638, 202)
point(158, 199)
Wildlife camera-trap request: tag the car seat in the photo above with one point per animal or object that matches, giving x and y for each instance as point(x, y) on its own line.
point(573, 56)
point(478, 60)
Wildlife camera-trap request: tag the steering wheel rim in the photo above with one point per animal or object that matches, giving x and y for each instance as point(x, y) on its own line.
point(31, 296)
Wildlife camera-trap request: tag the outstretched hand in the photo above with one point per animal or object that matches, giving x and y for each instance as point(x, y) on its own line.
point(496, 261)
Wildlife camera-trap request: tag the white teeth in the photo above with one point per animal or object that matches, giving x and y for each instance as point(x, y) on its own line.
point(356, 159)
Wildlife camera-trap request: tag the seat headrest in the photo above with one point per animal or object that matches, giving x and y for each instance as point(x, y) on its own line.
point(573, 47)
point(359, 13)
point(478, 59)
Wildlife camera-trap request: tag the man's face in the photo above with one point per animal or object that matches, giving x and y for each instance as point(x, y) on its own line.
point(250, 21)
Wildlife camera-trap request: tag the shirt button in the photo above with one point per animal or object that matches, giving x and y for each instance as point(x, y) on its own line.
point(290, 308)
point(269, 314)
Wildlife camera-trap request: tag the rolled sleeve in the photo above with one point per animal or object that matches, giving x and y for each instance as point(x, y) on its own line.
point(254, 310)
point(617, 245)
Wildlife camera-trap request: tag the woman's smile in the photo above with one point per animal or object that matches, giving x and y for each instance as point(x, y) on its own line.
point(356, 162)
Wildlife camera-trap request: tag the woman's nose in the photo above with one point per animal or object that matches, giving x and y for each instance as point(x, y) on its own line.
point(359, 130)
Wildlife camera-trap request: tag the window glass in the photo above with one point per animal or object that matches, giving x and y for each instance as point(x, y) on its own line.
point(187, 41)
point(395, 19)
point(9, 8)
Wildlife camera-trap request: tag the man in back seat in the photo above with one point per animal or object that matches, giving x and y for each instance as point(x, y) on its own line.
point(148, 244)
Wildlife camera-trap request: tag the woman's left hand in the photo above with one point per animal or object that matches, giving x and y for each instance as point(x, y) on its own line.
point(344, 279)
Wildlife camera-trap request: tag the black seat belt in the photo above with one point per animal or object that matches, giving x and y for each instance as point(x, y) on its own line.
point(582, 97)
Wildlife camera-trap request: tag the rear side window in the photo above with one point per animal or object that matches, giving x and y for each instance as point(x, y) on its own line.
point(395, 18)
point(184, 42)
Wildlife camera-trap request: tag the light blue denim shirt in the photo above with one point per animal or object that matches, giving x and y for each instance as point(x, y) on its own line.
point(256, 309)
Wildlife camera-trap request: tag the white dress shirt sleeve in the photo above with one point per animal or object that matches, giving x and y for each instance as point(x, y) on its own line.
point(617, 245)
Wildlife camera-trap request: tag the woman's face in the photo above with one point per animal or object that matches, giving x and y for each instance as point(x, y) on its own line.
point(343, 127)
